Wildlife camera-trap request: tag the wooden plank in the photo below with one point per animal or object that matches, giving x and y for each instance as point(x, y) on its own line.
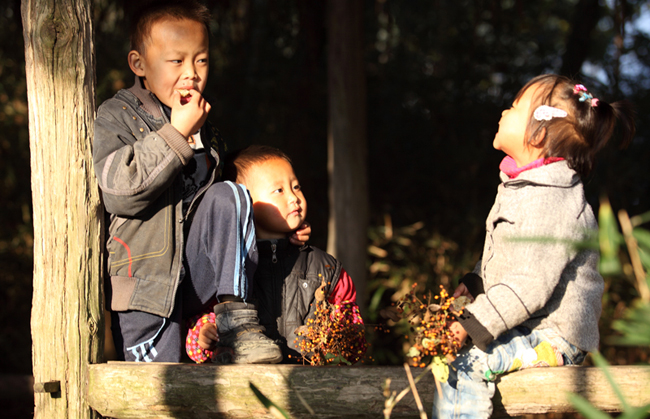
point(544, 390)
point(129, 390)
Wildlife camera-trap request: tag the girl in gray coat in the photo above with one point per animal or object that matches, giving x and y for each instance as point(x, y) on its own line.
point(534, 302)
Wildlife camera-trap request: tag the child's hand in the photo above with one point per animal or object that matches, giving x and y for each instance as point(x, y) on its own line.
point(301, 236)
point(189, 113)
point(208, 337)
point(462, 291)
point(459, 332)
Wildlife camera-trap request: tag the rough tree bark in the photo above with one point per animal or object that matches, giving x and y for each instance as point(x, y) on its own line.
point(347, 144)
point(67, 321)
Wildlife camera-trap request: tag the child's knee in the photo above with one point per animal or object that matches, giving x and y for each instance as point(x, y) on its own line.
point(227, 195)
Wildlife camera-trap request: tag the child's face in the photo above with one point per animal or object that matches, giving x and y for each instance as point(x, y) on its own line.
point(278, 203)
point(175, 58)
point(511, 137)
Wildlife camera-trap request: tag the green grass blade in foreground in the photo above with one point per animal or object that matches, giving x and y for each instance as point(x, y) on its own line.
point(635, 326)
point(273, 408)
point(583, 406)
point(610, 240)
point(601, 363)
point(636, 413)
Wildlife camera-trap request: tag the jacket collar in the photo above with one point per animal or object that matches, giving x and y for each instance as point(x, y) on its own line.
point(557, 174)
point(282, 247)
point(148, 100)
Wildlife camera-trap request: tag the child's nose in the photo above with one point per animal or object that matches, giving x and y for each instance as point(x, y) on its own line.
point(189, 71)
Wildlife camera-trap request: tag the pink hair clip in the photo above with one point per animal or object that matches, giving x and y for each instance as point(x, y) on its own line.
point(546, 113)
point(579, 88)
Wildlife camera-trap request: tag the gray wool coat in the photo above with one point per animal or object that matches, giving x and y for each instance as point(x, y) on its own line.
point(540, 283)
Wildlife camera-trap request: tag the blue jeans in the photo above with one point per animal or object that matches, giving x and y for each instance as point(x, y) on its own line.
point(469, 390)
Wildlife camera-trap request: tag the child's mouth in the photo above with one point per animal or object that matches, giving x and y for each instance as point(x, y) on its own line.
point(185, 95)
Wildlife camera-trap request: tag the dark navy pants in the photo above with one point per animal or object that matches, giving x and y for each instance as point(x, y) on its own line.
point(220, 258)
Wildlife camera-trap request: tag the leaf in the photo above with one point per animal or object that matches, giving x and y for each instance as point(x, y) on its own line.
point(274, 409)
point(439, 368)
point(609, 239)
point(587, 409)
point(336, 359)
point(301, 330)
point(635, 326)
point(637, 220)
point(413, 352)
point(600, 362)
point(642, 237)
point(460, 302)
point(644, 255)
point(636, 412)
point(319, 294)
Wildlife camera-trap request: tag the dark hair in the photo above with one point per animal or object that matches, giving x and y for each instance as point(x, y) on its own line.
point(240, 161)
point(586, 129)
point(157, 10)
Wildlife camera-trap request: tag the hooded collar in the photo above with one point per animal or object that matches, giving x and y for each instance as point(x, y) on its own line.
point(556, 173)
point(147, 99)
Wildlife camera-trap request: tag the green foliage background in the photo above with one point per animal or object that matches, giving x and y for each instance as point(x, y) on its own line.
point(439, 73)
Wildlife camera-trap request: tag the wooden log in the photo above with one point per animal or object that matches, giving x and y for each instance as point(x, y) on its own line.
point(67, 305)
point(129, 390)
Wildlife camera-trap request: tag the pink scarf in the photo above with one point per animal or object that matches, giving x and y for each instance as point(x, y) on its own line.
point(509, 166)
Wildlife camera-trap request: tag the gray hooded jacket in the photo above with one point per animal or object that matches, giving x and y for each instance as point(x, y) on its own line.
point(138, 158)
point(540, 283)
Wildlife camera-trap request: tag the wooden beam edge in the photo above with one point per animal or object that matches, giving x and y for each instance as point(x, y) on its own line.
point(131, 390)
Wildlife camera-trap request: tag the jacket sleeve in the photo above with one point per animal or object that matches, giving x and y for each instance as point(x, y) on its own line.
point(344, 290)
point(194, 351)
point(134, 171)
point(346, 311)
point(524, 263)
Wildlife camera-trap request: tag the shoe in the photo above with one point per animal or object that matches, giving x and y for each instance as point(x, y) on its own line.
point(239, 329)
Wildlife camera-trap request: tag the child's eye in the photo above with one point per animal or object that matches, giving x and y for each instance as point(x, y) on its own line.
point(297, 187)
point(176, 61)
point(203, 60)
point(279, 190)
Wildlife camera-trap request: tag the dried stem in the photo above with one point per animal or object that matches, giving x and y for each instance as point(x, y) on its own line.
point(416, 396)
point(633, 250)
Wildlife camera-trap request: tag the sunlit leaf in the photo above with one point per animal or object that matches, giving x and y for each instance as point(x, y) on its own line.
point(587, 409)
point(636, 412)
point(644, 255)
point(609, 239)
point(635, 327)
point(642, 237)
point(440, 368)
point(600, 362)
point(274, 409)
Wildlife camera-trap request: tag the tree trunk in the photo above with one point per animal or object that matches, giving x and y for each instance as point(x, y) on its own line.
point(585, 18)
point(347, 145)
point(67, 318)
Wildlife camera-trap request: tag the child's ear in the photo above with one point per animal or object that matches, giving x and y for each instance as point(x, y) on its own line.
point(136, 63)
point(538, 137)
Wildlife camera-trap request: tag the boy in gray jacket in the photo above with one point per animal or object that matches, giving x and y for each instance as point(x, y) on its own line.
point(536, 298)
point(176, 237)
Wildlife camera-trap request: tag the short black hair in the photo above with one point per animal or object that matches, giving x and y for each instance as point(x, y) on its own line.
point(157, 10)
point(237, 163)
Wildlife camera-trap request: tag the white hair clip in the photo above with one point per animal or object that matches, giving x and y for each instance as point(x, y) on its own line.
point(546, 113)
